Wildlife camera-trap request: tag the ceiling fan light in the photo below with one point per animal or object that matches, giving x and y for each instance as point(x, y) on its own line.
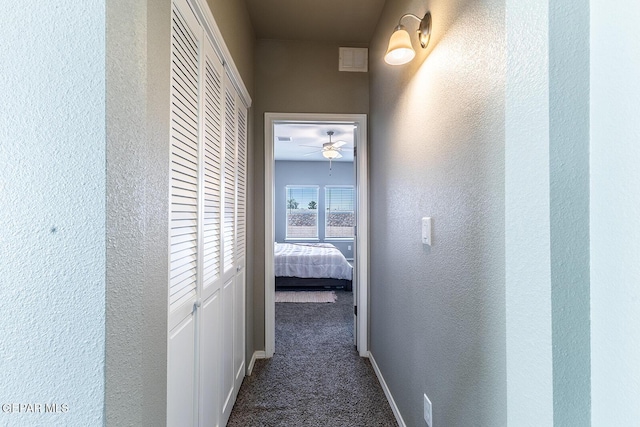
point(330, 154)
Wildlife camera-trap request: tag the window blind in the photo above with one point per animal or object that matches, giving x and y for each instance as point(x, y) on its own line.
point(340, 215)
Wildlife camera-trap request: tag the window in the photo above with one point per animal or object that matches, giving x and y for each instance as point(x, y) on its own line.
point(302, 212)
point(340, 218)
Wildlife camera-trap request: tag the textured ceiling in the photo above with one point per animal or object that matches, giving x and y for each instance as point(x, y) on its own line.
point(315, 20)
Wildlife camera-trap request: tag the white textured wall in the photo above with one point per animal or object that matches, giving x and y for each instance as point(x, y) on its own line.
point(52, 211)
point(615, 209)
point(527, 206)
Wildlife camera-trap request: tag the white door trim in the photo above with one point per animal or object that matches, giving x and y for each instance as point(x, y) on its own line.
point(362, 238)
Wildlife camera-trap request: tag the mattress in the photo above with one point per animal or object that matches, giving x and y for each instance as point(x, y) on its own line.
point(311, 260)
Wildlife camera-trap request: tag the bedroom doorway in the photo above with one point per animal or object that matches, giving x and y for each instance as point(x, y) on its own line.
point(358, 124)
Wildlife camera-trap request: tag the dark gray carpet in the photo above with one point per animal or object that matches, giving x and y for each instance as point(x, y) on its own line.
point(316, 377)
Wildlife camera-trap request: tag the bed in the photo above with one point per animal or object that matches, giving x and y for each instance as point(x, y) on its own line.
point(309, 265)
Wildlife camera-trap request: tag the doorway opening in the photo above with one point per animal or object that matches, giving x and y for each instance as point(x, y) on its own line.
point(351, 126)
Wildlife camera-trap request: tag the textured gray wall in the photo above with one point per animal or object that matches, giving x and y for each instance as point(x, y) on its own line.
point(569, 212)
point(137, 211)
point(437, 149)
point(292, 77)
point(232, 19)
point(310, 173)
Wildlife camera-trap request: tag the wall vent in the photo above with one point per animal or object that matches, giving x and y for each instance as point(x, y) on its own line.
point(284, 139)
point(355, 59)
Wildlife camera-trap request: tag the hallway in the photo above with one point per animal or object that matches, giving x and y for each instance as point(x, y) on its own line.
point(316, 377)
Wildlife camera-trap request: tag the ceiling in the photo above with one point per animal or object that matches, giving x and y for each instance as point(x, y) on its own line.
point(315, 20)
point(303, 141)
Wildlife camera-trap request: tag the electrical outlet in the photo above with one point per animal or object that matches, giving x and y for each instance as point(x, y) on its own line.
point(349, 247)
point(427, 411)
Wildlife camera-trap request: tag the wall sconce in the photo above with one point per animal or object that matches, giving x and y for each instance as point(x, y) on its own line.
point(400, 50)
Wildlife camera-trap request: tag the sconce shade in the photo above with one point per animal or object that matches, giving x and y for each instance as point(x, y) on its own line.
point(400, 50)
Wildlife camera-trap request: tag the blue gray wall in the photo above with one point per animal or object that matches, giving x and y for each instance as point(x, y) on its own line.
point(437, 149)
point(311, 173)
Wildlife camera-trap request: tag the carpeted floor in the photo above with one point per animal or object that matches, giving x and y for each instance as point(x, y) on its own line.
point(316, 377)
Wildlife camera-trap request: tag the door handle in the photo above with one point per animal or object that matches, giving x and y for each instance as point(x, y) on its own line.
point(196, 305)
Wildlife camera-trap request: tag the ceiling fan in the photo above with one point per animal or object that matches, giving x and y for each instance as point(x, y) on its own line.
point(330, 150)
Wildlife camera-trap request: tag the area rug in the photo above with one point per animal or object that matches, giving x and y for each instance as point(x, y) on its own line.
point(318, 296)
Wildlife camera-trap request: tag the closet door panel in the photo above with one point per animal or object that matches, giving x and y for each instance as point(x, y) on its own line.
point(183, 218)
point(227, 372)
point(180, 375)
point(210, 340)
point(184, 118)
point(239, 329)
point(240, 282)
point(211, 312)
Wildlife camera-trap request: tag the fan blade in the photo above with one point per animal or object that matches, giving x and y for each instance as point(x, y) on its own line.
point(312, 146)
point(338, 156)
point(313, 152)
point(338, 144)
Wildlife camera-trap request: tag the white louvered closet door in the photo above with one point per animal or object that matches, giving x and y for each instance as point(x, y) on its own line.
point(228, 249)
point(206, 313)
point(210, 321)
point(186, 39)
point(241, 226)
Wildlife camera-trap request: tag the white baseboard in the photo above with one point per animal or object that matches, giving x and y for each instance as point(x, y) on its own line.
point(256, 355)
point(387, 392)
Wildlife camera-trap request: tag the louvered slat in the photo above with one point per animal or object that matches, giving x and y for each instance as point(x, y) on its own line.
point(212, 173)
point(184, 163)
point(229, 179)
point(241, 172)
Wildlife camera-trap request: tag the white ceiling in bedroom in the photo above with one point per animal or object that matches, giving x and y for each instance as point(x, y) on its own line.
point(303, 141)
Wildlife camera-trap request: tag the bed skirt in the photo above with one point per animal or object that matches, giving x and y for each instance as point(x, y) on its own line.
point(312, 283)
